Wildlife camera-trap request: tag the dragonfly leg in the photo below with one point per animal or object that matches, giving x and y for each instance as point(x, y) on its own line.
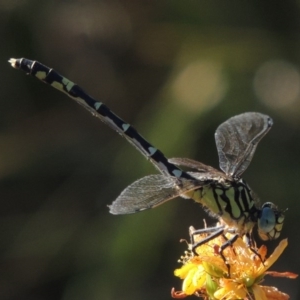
point(228, 243)
point(251, 246)
point(214, 232)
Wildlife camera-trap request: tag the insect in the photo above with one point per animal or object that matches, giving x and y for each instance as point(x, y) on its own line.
point(223, 193)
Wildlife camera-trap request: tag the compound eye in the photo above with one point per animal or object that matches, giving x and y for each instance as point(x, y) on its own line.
point(267, 221)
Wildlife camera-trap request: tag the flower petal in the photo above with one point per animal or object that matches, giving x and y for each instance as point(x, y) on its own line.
point(272, 293)
point(282, 274)
point(184, 270)
point(188, 286)
point(231, 291)
point(211, 285)
point(259, 292)
point(274, 256)
point(178, 294)
point(199, 278)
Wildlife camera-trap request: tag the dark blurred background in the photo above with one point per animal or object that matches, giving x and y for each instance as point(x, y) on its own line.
point(176, 70)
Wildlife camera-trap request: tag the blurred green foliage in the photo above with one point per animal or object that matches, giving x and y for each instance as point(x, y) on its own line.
point(173, 69)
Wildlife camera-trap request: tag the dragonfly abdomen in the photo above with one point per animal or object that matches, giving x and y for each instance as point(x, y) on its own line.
point(101, 111)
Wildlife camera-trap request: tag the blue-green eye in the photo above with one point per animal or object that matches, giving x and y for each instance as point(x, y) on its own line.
point(267, 221)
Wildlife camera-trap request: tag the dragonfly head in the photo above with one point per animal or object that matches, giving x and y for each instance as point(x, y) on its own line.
point(270, 222)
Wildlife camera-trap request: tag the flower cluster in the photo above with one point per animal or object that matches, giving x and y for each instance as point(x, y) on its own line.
point(206, 275)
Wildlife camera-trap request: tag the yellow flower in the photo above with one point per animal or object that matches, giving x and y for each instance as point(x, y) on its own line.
point(205, 274)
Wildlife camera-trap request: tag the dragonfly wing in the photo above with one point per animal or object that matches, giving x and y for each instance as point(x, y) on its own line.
point(151, 191)
point(237, 139)
point(193, 164)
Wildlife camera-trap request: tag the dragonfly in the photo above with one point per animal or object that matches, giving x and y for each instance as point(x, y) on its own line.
point(224, 194)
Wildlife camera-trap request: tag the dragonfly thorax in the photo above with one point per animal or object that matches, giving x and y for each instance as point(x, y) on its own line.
point(232, 202)
point(236, 206)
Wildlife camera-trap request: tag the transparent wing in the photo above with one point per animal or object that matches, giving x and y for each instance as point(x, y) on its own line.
point(151, 191)
point(237, 139)
point(194, 164)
